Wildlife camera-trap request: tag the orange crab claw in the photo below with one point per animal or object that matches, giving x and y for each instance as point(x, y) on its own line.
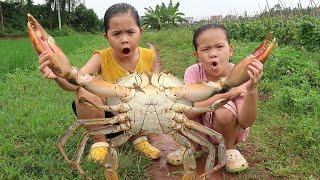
point(42, 41)
point(157, 66)
point(239, 74)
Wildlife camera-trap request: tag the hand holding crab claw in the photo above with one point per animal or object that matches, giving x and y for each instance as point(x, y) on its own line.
point(255, 72)
point(44, 61)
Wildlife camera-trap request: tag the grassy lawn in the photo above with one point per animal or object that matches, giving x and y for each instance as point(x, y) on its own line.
point(285, 140)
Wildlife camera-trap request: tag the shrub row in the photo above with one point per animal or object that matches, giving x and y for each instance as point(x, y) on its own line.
point(301, 32)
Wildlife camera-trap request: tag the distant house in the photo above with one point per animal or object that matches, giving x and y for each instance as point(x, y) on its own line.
point(215, 18)
point(190, 19)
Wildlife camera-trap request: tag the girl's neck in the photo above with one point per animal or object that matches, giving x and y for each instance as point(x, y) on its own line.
point(224, 74)
point(129, 63)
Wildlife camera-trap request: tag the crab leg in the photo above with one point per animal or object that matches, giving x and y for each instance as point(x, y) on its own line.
point(110, 162)
point(195, 92)
point(203, 142)
point(192, 125)
point(238, 76)
point(59, 64)
point(189, 162)
point(185, 108)
point(221, 147)
point(65, 137)
point(120, 108)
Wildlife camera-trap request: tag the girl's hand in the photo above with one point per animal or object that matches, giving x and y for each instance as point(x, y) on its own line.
point(255, 73)
point(44, 62)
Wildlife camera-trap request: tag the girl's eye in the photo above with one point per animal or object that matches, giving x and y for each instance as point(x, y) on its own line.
point(116, 34)
point(220, 47)
point(206, 49)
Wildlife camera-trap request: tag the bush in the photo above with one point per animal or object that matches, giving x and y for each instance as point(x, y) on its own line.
point(302, 32)
point(65, 31)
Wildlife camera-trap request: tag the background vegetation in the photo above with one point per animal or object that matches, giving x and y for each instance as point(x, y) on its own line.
point(74, 15)
point(284, 142)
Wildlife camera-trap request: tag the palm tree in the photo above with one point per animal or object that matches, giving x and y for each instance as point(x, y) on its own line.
point(163, 16)
point(174, 15)
point(153, 17)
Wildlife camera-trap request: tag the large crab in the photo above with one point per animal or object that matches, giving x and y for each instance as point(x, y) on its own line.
point(143, 104)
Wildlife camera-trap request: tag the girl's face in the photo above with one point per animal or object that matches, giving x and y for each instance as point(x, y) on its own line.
point(214, 52)
point(123, 35)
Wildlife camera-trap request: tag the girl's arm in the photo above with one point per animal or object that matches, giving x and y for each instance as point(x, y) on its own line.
point(92, 66)
point(248, 110)
point(233, 92)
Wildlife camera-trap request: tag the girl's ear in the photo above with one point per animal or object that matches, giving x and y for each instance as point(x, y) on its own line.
point(105, 35)
point(231, 49)
point(141, 29)
point(195, 54)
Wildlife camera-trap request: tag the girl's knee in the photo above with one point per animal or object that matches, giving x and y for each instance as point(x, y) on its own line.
point(223, 117)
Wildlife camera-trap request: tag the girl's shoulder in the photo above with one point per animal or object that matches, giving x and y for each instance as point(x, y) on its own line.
point(194, 68)
point(193, 74)
point(103, 52)
point(146, 53)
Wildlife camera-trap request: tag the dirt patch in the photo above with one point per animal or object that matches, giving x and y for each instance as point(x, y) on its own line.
point(161, 170)
point(264, 96)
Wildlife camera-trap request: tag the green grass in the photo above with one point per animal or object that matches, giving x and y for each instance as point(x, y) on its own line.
point(20, 54)
point(34, 111)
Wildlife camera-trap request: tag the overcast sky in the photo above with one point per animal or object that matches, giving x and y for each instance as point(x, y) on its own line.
point(198, 8)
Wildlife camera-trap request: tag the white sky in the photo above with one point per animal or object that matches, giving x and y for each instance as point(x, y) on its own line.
point(198, 8)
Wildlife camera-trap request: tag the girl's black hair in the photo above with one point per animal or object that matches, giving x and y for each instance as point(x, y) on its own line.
point(205, 27)
point(120, 8)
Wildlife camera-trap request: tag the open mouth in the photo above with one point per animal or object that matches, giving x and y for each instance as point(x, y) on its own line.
point(214, 63)
point(126, 51)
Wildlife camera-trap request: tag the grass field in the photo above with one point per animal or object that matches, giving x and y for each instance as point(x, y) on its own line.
point(33, 111)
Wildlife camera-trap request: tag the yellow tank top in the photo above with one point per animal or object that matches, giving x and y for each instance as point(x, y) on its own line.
point(112, 71)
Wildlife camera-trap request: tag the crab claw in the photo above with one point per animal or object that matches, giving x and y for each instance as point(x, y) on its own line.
point(239, 73)
point(157, 66)
point(42, 41)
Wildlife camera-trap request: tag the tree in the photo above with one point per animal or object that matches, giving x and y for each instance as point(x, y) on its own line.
point(173, 15)
point(84, 19)
point(1, 17)
point(163, 16)
point(153, 18)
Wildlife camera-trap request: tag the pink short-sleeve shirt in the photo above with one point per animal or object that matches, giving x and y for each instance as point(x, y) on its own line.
point(195, 74)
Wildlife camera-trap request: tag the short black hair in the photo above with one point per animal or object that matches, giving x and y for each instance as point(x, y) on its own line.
point(205, 27)
point(120, 8)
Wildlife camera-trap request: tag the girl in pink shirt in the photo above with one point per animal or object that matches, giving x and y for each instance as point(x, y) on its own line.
point(213, 52)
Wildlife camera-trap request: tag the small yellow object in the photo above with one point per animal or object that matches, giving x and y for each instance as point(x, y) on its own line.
point(98, 152)
point(144, 147)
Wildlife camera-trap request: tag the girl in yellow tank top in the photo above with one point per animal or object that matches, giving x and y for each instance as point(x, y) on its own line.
point(123, 33)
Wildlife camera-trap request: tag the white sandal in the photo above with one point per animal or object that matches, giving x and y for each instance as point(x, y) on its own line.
point(176, 157)
point(235, 161)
